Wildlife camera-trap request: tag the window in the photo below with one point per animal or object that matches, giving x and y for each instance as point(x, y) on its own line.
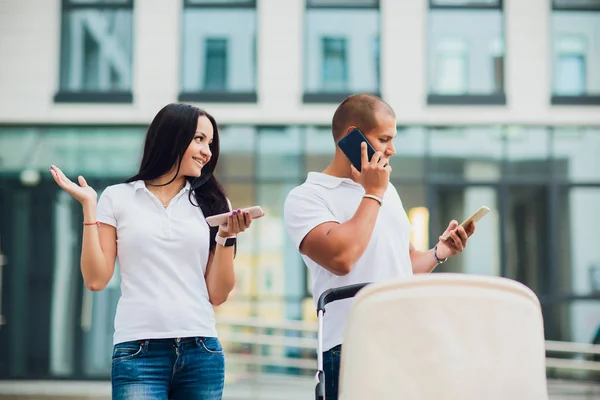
point(466, 52)
point(215, 68)
point(335, 61)
point(219, 51)
point(335, 65)
point(575, 56)
point(96, 51)
point(452, 63)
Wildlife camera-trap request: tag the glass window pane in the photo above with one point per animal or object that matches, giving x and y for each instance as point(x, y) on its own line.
point(465, 3)
point(409, 161)
point(320, 149)
point(334, 74)
point(279, 153)
point(575, 152)
point(578, 219)
point(97, 50)
point(576, 63)
point(237, 152)
point(215, 68)
point(466, 153)
point(219, 50)
point(342, 3)
point(580, 323)
point(527, 152)
point(570, 4)
point(280, 268)
point(335, 58)
point(466, 52)
point(103, 152)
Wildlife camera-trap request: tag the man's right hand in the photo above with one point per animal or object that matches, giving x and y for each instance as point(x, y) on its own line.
point(375, 174)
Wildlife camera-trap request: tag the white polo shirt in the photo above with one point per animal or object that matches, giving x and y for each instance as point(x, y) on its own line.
point(162, 254)
point(324, 198)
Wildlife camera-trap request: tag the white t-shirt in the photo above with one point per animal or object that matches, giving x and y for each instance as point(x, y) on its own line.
point(162, 255)
point(324, 198)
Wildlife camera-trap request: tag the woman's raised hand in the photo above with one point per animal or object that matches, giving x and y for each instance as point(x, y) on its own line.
point(82, 192)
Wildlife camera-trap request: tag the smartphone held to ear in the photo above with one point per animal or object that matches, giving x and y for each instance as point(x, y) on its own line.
point(220, 219)
point(477, 215)
point(350, 145)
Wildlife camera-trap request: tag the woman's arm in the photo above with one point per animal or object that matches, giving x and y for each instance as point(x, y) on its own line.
point(220, 273)
point(99, 242)
point(98, 251)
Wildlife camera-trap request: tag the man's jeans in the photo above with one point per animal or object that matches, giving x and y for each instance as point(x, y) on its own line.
point(160, 369)
point(331, 368)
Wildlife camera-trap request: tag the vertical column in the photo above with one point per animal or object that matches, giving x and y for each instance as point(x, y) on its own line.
point(280, 55)
point(18, 307)
point(528, 62)
point(157, 43)
point(403, 62)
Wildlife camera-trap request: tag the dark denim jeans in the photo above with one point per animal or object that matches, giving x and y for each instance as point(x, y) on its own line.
point(331, 368)
point(160, 369)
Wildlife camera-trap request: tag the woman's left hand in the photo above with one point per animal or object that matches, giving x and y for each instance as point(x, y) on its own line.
point(238, 221)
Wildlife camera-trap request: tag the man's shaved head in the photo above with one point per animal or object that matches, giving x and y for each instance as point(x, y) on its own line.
point(361, 111)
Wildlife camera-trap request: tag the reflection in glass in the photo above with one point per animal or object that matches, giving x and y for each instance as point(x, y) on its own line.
point(409, 161)
point(579, 221)
point(280, 153)
point(466, 153)
point(527, 152)
point(97, 50)
point(575, 152)
point(90, 151)
point(320, 148)
point(280, 268)
point(236, 158)
point(215, 68)
point(466, 52)
point(219, 50)
point(335, 65)
point(335, 50)
point(576, 62)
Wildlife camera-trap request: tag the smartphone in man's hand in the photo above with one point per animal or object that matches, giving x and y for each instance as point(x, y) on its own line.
point(350, 145)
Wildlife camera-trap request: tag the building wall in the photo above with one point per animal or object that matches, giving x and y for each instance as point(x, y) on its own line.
point(30, 38)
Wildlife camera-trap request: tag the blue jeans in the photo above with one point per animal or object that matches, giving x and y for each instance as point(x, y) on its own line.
point(160, 369)
point(331, 368)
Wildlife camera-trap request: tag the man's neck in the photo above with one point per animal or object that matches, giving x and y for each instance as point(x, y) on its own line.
point(339, 167)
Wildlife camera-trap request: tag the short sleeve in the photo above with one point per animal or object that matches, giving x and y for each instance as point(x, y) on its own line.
point(105, 212)
point(303, 211)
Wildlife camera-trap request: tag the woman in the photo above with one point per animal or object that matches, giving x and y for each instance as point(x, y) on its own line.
point(174, 267)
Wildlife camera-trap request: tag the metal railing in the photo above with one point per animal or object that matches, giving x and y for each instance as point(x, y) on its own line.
point(237, 332)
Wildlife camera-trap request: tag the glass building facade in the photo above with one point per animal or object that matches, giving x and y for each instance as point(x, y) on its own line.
point(542, 184)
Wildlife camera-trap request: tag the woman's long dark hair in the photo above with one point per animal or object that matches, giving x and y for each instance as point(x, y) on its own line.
point(168, 137)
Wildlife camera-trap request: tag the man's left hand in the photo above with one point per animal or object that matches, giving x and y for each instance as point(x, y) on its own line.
point(456, 241)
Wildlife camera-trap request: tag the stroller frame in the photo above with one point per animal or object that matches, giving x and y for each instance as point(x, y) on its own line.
point(329, 296)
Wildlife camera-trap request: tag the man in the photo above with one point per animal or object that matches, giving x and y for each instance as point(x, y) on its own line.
point(350, 227)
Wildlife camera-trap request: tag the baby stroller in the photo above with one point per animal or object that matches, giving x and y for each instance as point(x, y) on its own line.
point(439, 336)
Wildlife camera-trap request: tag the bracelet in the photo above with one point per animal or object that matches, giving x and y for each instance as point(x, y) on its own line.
point(435, 257)
point(97, 223)
point(372, 196)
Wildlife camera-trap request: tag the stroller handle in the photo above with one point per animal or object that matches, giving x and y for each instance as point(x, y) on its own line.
point(329, 296)
point(340, 293)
